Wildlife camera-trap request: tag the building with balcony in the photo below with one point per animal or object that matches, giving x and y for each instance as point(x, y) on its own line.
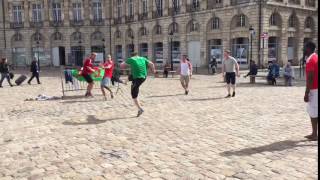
point(62, 32)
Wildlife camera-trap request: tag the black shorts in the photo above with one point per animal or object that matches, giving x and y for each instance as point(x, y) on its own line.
point(231, 78)
point(136, 83)
point(88, 78)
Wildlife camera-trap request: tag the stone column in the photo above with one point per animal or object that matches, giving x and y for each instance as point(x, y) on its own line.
point(26, 12)
point(46, 13)
point(66, 13)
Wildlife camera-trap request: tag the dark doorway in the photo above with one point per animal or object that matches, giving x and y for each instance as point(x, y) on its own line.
point(77, 55)
point(62, 55)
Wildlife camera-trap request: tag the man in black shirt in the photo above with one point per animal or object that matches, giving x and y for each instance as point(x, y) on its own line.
point(4, 70)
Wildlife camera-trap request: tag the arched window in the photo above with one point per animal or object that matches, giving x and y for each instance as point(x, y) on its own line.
point(130, 33)
point(118, 34)
point(309, 23)
point(215, 23)
point(143, 31)
point(17, 37)
point(158, 30)
point(292, 21)
point(241, 20)
point(193, 26)
point(273, 20)
point(57, 36)
point(37, 37)
point(76, 36)
point(97, 36)
point(174, 28)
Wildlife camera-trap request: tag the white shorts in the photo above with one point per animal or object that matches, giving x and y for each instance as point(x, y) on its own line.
point(106, 82)
point(312, 107)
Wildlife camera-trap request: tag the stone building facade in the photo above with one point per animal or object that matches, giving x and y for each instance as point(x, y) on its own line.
point(62, 32)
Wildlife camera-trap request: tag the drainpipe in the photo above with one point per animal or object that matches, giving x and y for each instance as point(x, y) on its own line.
point(259, 34)
point(4, 26)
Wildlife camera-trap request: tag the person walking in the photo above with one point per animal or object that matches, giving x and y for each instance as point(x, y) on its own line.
point(108, 67)
point(311, 93)
point(88, 69)
point(139, 72)
point(34, 69)
point(4, 70)
point(274, 73)
point(288, 74)
point(185, 70)
point(230, 69)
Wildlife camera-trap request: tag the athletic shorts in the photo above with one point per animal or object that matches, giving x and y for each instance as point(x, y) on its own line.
point(312, 107)
point(106, 82)
point(184, 79)
point(231, 78)
point(136, 83)
point(88, 78)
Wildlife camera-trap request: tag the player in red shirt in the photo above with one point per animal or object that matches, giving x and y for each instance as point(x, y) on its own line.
point(108, 66)
point(88, 69)
point(311, 94)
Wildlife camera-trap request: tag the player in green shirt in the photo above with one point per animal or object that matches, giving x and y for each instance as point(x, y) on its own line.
point(139, 74)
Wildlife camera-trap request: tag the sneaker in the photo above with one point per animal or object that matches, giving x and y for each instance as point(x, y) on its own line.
point(187, 92)
point(29, 83)
point(112, 96)
point(1, 87)
point(229, 95)
point(140, 112)
point(233, 94)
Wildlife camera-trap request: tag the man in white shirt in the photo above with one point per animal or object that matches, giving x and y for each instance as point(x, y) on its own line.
point(185, 73)
point(230, 69)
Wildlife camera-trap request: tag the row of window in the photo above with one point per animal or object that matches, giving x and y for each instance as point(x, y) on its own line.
point(56, 10)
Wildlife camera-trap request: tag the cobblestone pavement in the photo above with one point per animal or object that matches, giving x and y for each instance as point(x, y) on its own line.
point(256, 135)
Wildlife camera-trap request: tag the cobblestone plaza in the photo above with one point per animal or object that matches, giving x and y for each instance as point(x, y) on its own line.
point(256, 135)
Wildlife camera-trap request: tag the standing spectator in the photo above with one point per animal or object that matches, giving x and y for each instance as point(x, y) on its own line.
point(108, 67)
point(88, 69)
point(274, 73)
point(139, 74)
point(288, 74)
point(4, 70)
point(311, 94)
point(166, 70)
point(230, 69)
point(213, 65)
point(185, 73)
point(34, 69)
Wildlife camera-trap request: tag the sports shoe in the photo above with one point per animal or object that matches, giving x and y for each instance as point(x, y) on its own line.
point(229, 95)
point(233, 94)
point(140, 112)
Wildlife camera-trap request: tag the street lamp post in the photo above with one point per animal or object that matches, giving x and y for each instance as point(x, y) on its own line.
point(251, 39)
point(104, 49)
point(132, 45)
point(171, 59)
point(38, 51)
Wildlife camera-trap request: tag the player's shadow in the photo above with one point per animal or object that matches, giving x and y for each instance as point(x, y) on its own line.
point(274, 147)
point(92, 120)
point(207, 99)
point(162, 96)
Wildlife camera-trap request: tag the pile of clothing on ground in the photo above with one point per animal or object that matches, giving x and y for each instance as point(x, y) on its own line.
point(42, 97)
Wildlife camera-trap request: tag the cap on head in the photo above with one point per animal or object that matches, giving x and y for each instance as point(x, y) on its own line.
point(134, 54)
point(227, 51)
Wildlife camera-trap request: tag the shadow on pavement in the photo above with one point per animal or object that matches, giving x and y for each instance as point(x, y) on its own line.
point(278, 146)
point(207, 99)
point(160, 96)
point(92, 120)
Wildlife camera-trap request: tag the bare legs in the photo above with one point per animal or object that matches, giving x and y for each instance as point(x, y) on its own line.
point(314, 134)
